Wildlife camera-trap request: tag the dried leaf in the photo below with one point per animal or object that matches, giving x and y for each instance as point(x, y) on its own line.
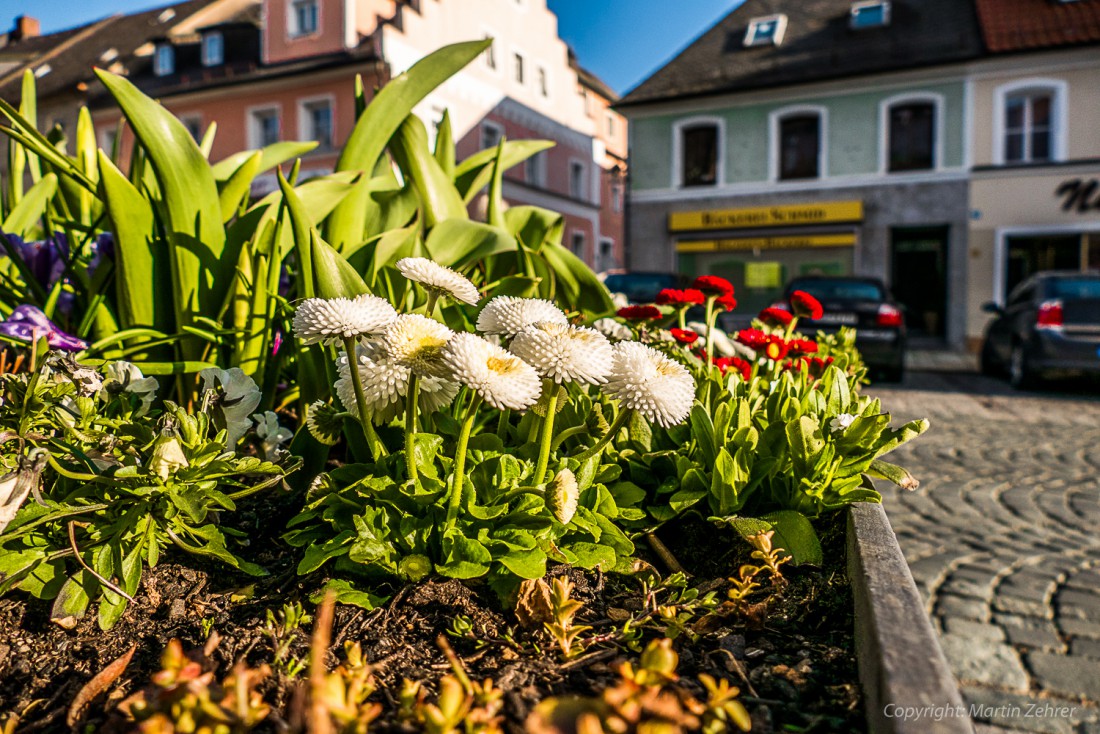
point(97, 685)
point(533, 607)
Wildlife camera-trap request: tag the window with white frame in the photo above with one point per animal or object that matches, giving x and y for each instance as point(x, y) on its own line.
point(577, 244)
point(316, 122)
point(544, 82)
point(576, 180)
point(490, 53)
point(491, 133)
point(213, 48)
point(616, 198)
point(517, 67)
point(605, 260)
point(911, 141)
point(303, 17)
point(699, 144)
point(164, 60)
point(767, 30)
point(264, 127)
point(799, 146)
point(1028, 126)
point(610, 124)
point(869, 14)
point(534, 170)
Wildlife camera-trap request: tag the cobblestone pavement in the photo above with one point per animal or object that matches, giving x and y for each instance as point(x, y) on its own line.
point(1003, 538)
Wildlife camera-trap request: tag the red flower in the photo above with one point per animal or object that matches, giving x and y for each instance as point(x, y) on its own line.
point(713, 285)
point(775, 316)
point(802, 346)
point(735, 363)
point(752, 338)
point(639, 313)
point(806, 305)
point(675, 297)
point(776, 348)
point(684, 336)
point(727, 302)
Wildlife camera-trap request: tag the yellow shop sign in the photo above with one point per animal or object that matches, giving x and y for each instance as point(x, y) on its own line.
point(768, 243)
point(767, 216)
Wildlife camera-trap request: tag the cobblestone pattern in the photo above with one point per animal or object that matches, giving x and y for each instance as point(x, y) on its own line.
point(1003, 539)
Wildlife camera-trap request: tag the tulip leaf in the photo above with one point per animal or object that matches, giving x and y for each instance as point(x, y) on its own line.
point(26, 214)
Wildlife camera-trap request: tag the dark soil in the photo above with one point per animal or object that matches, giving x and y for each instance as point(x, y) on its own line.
point(792, 656)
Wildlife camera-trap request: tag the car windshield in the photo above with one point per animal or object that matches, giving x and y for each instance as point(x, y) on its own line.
point(1073, 288)
point(640, 287)
point(840, 290)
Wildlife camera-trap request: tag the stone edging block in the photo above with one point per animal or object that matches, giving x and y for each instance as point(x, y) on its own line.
point(907, 685)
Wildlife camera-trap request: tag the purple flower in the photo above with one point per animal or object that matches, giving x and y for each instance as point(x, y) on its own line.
point(28, 323)
point(45, 259)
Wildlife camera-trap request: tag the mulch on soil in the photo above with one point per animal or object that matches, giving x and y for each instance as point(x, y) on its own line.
point(795, 666)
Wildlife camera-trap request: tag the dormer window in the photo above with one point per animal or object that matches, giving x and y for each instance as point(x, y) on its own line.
point(213, 48)
point(767, 30)
point(303, 17)
point(869, 14)
point(164, 60)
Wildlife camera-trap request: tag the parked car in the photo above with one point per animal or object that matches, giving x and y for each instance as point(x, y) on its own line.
point(1050, 323)
point(866, 305)
point(642, 287)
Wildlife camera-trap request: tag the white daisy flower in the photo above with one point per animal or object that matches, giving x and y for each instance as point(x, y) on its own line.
point(565, 353)
point(841, 423)
point(502, 379)
point(438, 278)
point(417, 342)
point(509, 315)
point(643, 379)
point(561, 496)
point(613, 329)
point(386, 383)
point(330, 320)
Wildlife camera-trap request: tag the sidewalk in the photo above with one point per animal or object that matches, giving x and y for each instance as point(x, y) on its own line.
point(940, 360)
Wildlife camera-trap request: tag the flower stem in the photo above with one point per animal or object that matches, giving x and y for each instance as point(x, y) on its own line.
point(410, 428)
point(429, 309)
point(547, 437)
point(502, 422)
point(458, 476)
point(712, 316)
point(567, 434)
point(377, 449)
point(620, 421)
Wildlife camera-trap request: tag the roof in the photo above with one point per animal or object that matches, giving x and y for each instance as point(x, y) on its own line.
point(73, 53)
point(1024, 25)
point(590, 80)
point(818, 45)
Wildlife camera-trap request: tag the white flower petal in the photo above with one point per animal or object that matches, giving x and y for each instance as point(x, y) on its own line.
point(613, 329)
point(643, 379)
point(564, 353)
point(333, 319)
point(441, 279)
point(417, 342)
point(386, 383)
point(502, 379)
point(509, 315)
point(561, 496)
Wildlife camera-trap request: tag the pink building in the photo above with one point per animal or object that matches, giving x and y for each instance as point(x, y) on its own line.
point(271, 70)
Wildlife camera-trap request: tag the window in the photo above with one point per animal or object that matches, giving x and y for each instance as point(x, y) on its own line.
point(490, 54)
point(616, 198)
point(606, 257)
point(517, 61)
point(264, 128)
point(799, 147)
point(544, 83)
point(303, 17)
point(610, 125)
point(766, 31)
point(577, 243)
point(534, 170)
point(316, 122)
point(164, 60)
point(491, 133)
point(107, 137)
point(213, 49)
point(576, 179)
point(1028, 127)
point(44, 70)
point(872, 14)
point(699, 154)
point(193, 123)
point(912, 137)
point(586, 100)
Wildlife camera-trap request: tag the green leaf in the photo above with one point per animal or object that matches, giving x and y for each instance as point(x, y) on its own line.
point(26, 214)
point(463, 558)
point(894, 473)
point(270, 156)
point(474, 173)
point(445, 145)
point(346, 593)
point(590, 555)
point(74, 597)
point(236, 187)
point(439, 199)
point(460, 243)
point(793, 533)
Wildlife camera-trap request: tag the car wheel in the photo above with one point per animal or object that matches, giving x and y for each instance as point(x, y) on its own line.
point(1020, 372)
point(987, 362)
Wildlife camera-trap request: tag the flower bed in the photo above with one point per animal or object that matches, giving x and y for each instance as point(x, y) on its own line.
point(446, 485)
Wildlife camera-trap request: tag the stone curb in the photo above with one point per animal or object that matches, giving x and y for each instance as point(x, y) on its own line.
point(908, 687)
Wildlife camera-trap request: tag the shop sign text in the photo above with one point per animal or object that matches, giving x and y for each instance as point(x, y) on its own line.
point(1080, 196)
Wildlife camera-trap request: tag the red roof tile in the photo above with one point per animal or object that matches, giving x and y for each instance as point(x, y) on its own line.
point(1021, 25)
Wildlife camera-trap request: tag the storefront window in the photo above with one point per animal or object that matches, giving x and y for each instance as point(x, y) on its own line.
point(1030, 254)
point(912, 136)
point(699, 144)
point(799, 147)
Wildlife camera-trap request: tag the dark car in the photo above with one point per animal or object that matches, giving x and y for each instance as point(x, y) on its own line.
point(866, 305)
point(1050, 323)
point(643, 287)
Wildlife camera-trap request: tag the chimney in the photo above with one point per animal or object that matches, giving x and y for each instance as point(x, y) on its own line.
point(26, 27)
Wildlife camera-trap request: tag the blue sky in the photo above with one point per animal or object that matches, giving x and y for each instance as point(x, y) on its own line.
point(622, 41)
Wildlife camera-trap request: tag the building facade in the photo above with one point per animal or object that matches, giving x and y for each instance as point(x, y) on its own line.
point(829, 142)
point(274, 70)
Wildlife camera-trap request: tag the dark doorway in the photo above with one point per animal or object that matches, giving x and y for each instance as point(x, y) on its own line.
point(1030, 254)
point(919, 278)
